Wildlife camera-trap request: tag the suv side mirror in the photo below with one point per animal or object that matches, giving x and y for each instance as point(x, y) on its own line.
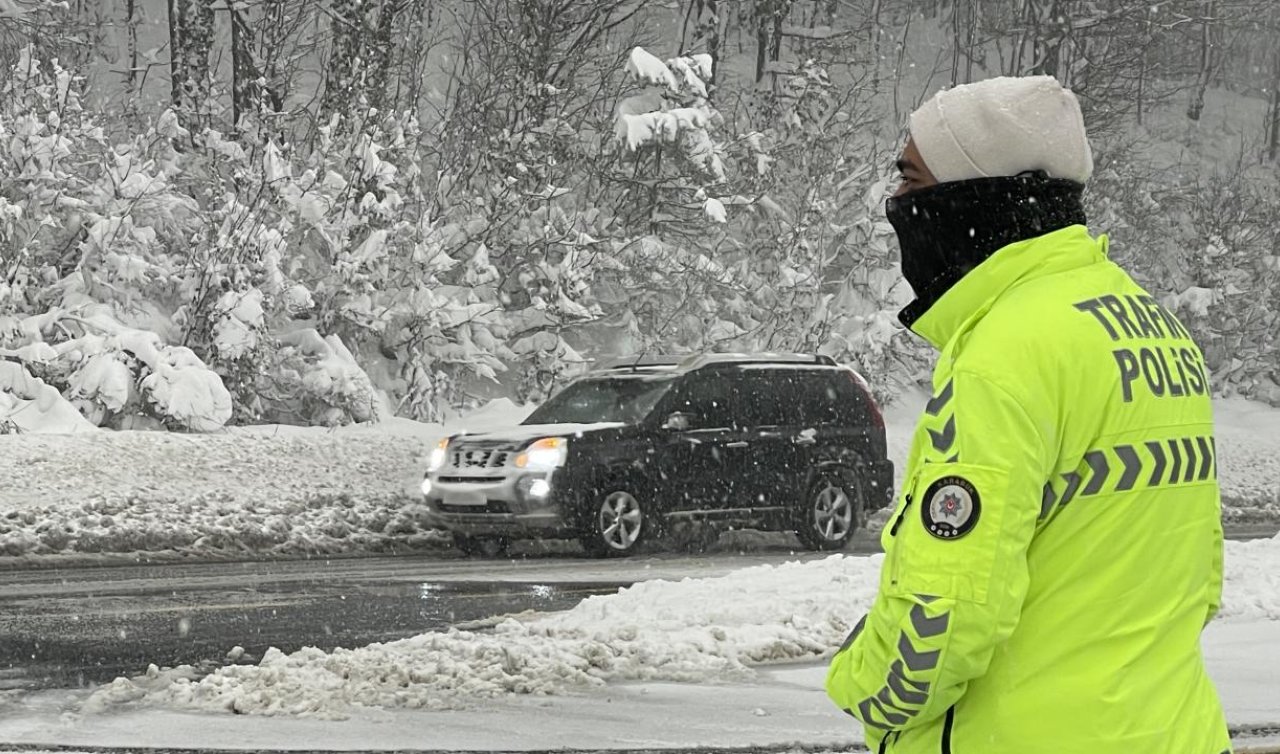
point(678, 421)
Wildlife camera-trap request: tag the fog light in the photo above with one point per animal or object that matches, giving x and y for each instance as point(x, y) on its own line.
point(426, 486)
point(534, 489)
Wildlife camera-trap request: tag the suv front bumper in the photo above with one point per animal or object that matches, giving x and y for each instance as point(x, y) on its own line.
point(496, 505)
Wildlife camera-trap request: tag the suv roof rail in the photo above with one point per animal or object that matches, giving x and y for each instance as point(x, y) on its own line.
point(691, 362)
point(639, 363)
point(729, 359)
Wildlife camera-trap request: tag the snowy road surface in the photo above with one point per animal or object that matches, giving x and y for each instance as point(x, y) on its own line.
point(725, 651)
point(69, 627)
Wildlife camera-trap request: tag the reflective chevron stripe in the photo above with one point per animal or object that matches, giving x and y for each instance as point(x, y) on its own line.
point(925, 626)
point(1072, 479)
point(902, 697)
point(1132, 467)
point(1099, 469)
point(1157, 472)
point(1046, 502)
point(853, 635)
point(1120, 468)
point(944, 440)
point(1206, 459)
point(942, 429)
point(916, 660)
point(940, 401)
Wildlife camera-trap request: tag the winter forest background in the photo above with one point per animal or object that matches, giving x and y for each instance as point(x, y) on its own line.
point(326, 211)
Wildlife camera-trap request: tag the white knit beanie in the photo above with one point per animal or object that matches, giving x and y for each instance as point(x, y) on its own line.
point(1003, 127)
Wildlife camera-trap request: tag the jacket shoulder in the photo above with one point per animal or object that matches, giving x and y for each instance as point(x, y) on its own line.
point(1039, 329)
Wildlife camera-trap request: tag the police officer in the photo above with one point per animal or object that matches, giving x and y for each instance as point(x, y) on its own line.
point(1057, 548)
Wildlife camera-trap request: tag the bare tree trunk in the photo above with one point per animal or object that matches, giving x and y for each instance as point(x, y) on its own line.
point(1142, 87)
point(762, 41)
point(1058, 34)
point(713, 39)
point(1020, 40)
point(1205, 74)
point(877, 7)
point(964, 22)
point(775, 44)
point(379, 53)
point(244, 72)
point(191, 41)
point(345, 58)
point(1144, 63)
point(1273, 149)
point(704, 15)
point(275, 20)
point(177, 65)
point(975, 12)
point(131, 72)
point(956, 42)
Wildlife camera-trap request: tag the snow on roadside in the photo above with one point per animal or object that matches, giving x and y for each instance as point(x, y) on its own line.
point(251, 491)
point(695, 630)
point(277, 491)
point(1248, 436)
point(1251, 580)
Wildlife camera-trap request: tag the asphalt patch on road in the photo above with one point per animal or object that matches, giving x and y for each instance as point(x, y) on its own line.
point(77, 641)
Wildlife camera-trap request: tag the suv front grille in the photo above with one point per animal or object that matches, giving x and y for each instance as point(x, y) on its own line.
point(473, 457)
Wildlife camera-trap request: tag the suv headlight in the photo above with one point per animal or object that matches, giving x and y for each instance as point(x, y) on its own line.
point(544, 455)
point(439, 456)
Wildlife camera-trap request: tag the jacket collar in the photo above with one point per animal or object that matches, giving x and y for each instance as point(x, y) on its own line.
point(1062, 250)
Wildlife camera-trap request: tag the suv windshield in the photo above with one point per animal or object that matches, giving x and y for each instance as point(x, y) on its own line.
point(615, 398)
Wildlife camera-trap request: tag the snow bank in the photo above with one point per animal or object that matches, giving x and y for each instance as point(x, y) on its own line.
point(1251, 580)
point(229, 494)
point(1248, 460)
point(279, 490)
point(695, 630)
point(681, 631)
point(255, 491)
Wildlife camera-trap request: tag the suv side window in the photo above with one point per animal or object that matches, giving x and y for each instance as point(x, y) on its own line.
point(820, 399)
point(709, 399)
point(768, 397)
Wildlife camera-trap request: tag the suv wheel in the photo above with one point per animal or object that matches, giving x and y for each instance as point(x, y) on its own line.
point(485, 547)
point(616, 526)
point(829, 514)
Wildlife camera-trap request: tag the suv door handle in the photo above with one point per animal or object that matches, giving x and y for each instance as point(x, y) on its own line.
point(738, 444)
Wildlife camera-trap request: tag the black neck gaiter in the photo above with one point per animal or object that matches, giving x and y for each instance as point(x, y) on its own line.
point(946, 230)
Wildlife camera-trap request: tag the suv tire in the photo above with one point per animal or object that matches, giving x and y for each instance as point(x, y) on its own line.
point(485, 547)
point(616, 524)
point(829, 512)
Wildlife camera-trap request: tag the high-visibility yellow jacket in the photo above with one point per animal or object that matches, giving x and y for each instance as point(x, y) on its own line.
point(1057, 549)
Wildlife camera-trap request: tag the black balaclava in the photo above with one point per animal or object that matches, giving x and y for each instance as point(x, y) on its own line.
point(946, 230)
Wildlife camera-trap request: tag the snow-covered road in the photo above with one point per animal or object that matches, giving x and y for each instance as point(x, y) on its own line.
point(726, 651)
point(76, 625)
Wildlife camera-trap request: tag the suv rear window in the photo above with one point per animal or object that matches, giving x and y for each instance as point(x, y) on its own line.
point(615, 398)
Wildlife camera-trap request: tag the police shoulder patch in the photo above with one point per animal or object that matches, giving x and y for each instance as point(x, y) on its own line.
point(951, 509)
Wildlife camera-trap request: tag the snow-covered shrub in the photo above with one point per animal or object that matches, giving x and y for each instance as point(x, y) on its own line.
point(324, 378)
point(96, 227)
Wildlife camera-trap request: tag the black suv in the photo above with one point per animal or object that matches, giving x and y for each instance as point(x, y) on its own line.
point(782, 442)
